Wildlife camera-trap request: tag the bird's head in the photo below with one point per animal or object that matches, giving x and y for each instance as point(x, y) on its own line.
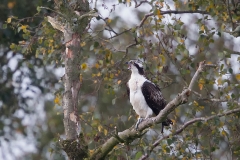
point(136, 66)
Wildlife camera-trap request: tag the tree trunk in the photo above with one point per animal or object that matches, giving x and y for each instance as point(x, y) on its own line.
point(73, 26)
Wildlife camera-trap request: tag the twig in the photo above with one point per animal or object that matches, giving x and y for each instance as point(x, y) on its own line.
point(169, 12)
point(53, 11)
point(140, 3)
point(127, 48)
point(229, 12)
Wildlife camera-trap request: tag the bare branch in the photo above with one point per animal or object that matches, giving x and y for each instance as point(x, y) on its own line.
point(144, 19)
point(151, 14)
point(127, 48)
point(229, 13)
point(118, 34)
point(168, 12)
point(156, 143)
point(183, 12)
point(140, 3)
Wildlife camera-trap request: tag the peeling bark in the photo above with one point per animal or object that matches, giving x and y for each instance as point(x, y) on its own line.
point(72, 86)
point(74, 145)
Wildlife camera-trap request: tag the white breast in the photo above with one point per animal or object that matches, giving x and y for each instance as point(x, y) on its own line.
point(136, 97)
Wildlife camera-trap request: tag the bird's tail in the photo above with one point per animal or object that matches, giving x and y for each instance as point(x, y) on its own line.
point(167, 122)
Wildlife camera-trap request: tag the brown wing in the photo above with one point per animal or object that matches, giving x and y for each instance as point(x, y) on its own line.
point(153, 97)
point(128, 90)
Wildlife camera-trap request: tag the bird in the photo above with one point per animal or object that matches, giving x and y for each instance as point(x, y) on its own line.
point(145, 96)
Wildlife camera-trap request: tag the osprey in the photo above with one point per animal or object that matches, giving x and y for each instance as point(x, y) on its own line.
point(145, 97)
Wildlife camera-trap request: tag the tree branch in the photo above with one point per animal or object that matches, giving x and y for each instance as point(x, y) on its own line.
point(156, 143)
point(148, 15)
point(168, 12)
point(130, 134)
point(140, 3)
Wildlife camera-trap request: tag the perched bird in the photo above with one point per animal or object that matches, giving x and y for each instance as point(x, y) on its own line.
point(145, 97)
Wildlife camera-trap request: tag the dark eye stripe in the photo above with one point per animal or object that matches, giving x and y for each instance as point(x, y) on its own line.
point(140, 70)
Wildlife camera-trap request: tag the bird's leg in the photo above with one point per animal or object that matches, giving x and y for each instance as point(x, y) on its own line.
point(162, 128)
point(167, 122)
point(138, 122)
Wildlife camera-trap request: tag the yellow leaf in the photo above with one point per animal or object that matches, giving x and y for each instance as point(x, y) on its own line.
point(160, 16)
point(237, 77)
point(100, 128)
point(181, 40)
point(228, 97)
point(200, 85)
point(80, 77)
point(195, 103)
point(97, 65)
point(163, 58)
point(224, 133)
point(91, 151)
point(111, 75)
point(99, 74)
point(201, 107)
point(11, 5)
point(105, 132)
point(84, 66)
point(24, 27)
point(9, 20)
point(57, 100)
point(119, 81)
point(209, 62)
point(82, 44)
point(202, 28)
point(109, 20)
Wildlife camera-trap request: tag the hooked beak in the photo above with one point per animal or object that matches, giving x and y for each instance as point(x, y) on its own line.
point(129, 65)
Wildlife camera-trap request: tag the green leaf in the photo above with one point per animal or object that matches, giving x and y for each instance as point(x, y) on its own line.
point(19, 29)
point(138, 155)
point(38, 9)
point(4, 26)
point(230, 70)
point(114, 101)
point(169, 141)
point(96, 44)
point(91, 47)
point(221, 68)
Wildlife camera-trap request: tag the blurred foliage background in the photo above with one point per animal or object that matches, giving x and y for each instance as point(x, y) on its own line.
point(171, 46)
